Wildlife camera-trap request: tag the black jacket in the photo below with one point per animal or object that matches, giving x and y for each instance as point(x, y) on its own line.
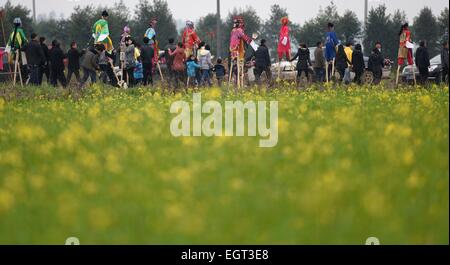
point(262, 57)
point(34, 52)
point(376, 63)
point(358, 61)
point(342, 60)
point(444, 58)
point(422, 58)
point(46, 52)
point(304, 58)
point(57, 59)
point(74, 56)
point(147, 54)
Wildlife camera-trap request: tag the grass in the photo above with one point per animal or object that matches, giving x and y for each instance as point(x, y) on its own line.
point(101, 165)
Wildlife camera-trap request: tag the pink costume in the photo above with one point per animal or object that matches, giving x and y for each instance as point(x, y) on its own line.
point(238, 39)
point(284, 43)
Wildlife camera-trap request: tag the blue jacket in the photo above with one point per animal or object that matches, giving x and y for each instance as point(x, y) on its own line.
point(138, 71)
point(191, 67)
point(330, 45)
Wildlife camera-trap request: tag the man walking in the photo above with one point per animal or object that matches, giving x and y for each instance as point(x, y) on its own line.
point(74, 62)
point(262, 63)
point(45, 68)
point(423, 62)
point(36, 59)
point(57, 65)
point(319, 63)
point(147, 55)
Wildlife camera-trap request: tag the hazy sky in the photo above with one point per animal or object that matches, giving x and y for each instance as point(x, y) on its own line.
point(299, 10)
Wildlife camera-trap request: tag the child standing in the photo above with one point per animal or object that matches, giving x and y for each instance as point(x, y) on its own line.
point(219, 69)
point(192, 67)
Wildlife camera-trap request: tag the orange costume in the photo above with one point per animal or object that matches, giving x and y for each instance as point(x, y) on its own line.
point(284, 43)
point(190, 39)
point(403, 51)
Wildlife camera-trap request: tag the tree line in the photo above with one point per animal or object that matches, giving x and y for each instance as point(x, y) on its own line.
point(381, 25)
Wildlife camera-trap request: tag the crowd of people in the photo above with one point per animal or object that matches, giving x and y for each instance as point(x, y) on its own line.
point(189, 63)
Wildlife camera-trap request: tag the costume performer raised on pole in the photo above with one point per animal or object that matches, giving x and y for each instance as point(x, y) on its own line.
point(237, 49)
point(15, 42)
point(100, 32)
point(150, 33)
point(190, 39)
point(331, 41)
point(284, 43)
point(405, 50)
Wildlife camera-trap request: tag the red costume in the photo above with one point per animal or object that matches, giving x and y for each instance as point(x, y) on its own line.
point(190, 38)
point(403, 51)
point(284, 43)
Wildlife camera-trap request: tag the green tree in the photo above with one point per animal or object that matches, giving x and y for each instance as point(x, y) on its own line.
point(443, 24)
point(348, 26)
point(79, 25)
point(252, 23)
point(53, 28)
point(383, 27)
point(144, 12)
point(314, 29)
point(271, 29)
point(12, 11)
point(207, 31)
point(426, 28)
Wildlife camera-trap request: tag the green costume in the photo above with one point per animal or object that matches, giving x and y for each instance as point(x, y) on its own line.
point(100, 32)
point(17, 41)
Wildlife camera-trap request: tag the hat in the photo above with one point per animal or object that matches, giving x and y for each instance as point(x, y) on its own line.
point(105, 14)
point(189, 24)
point(17, 21)
point(284, 20)
point(126, 29)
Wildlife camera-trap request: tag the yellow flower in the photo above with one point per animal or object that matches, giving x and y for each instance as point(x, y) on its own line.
point(6, 200)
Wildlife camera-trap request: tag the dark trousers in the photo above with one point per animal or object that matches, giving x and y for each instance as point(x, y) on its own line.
point(424, 73)
point(377, 75)
point(148, 78)
point(300, 71)
point(206, 78)
point(45, 69)
point(358, 76)
point(109, 72)
point(76, 72)
point(58, 75)
point(445, 75)
point(178, 78)
point(220, 80)
point(320, 74)
point(258, 72)
point(35, 74)
point(128, 74)
point(88, 74)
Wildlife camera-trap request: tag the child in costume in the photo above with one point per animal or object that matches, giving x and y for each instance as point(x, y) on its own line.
point(100, 32)
point(190, 39)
